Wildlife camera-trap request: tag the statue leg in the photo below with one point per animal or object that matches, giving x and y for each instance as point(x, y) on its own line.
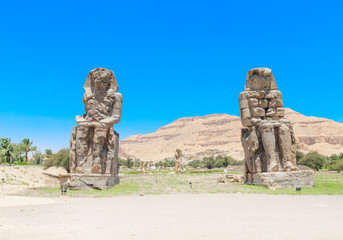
point(72, 151)
point(112, 152)
point(98, 147)
point(285, 146)
point(81, 146)
point(268, 141)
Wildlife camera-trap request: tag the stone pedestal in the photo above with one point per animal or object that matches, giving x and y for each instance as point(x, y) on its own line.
point(92, 181)
point(279, 180)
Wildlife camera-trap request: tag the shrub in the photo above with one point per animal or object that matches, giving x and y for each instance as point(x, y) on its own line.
point(59, 159)
point(313, 160)
point(209, 162)
point(299, 155)
point(195, 164)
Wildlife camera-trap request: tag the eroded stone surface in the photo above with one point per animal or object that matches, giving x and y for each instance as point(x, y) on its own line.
point(268, 139)
point(178, 161)
point(279, 180)
point(94, 143)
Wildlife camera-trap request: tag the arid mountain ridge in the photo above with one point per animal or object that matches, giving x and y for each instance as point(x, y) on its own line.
point(220, 134)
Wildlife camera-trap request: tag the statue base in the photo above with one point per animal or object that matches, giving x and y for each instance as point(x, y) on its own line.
point(92, 181)
point(280, 180)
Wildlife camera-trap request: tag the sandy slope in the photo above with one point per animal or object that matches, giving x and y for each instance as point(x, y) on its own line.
point(19, 178)
point(178, 216)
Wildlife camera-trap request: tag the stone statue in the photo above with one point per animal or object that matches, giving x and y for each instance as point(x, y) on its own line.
point(142, 166)
point(268, 139)
point(94, 143)
point(178, 161)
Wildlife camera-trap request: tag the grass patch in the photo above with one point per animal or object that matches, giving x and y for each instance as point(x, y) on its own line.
point(325, 184)
point(130, 172)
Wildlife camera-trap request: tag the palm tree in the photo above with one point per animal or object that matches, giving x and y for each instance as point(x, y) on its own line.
point(48, 152)
point(27, 144)
point(37, 156)
point(18, 150)
point(6, 149)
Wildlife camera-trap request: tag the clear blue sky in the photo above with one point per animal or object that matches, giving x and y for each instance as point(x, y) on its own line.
point(171, 59)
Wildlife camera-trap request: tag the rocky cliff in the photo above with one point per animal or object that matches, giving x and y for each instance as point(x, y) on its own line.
point(220, 134)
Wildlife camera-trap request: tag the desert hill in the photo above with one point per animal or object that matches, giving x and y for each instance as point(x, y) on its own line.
point(220, 134)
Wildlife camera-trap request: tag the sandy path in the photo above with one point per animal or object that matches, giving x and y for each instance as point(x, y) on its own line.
point(177, 216)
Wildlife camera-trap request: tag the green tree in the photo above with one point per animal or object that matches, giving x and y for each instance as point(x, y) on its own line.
point(48, 153)
point(120, 162)
point(335, 162)
point(7, 150)
point(221, 162)
point(59, 159)
point(195, 164)
point(18, 151)
point(37, 156)
point(209, 162)
point(169, 163)
point(313, 160)
point(129, 162)
point(27, 145)
point(338, 166)
point(136, 163)
point(299, 155)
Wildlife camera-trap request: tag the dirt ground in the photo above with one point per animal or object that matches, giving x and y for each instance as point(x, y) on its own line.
point(21, 178)
point(173, 216)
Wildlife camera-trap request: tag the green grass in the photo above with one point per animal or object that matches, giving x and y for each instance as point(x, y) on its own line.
point(162, 182)
point(130, 172)
point(325, 184)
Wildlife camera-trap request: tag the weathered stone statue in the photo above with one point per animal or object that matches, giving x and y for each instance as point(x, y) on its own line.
point(94, 143)
point(268, 138)
point(142, 166)
point(178, 161)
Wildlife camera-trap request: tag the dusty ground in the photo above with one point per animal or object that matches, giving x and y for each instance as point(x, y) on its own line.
point(21, 178)
point(173, 216)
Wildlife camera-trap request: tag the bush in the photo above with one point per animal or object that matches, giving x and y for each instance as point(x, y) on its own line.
point(299, 155)
point(313, 160)
point(338, 166)
point(195, 164)
point(59, 159)
point(209, 162)
point(169, 163)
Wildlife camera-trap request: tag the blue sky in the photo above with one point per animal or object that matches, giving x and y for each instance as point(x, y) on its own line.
point(171, 60)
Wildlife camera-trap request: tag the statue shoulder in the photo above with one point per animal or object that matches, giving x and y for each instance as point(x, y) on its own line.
point(118, 96)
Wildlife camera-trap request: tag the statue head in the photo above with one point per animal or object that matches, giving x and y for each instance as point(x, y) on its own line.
point(178, 151)
point(260, 79)
point(100, 79)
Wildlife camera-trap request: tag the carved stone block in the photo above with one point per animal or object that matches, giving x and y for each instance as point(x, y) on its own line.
point(276, 102)
point(258, 112)
point(280, 180)
point(263, 103)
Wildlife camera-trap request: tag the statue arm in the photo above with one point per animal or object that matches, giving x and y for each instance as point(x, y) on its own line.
point(116, 113)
